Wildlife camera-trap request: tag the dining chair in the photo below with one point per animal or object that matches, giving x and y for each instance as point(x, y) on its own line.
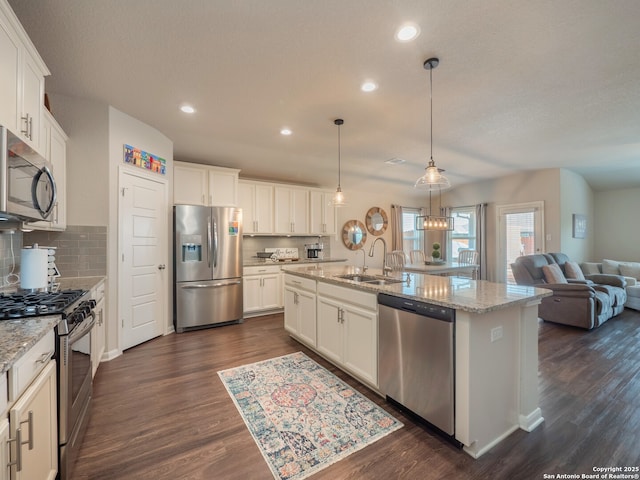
point(396, 260)
point(417, 256)
point(469, 257)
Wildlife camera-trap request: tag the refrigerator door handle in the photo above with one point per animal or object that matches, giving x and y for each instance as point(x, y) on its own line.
point(215, 244)
point(211, 285)
point(209, 241)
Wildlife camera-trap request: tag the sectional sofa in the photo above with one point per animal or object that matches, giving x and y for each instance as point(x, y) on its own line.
point(629, 270)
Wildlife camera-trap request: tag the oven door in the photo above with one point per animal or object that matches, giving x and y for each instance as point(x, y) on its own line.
point(75, 376)
point(28, 189)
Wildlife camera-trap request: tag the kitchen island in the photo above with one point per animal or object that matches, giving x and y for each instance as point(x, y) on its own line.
point(496, 339)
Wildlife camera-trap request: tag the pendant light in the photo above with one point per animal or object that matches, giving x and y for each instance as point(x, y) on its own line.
point(338, 197)
point(433, 179)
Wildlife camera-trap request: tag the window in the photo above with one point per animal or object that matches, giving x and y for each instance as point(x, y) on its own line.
point(412, 239)
point(463, 236)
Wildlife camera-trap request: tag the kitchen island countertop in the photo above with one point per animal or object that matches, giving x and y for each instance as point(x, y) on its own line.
point(475, 296)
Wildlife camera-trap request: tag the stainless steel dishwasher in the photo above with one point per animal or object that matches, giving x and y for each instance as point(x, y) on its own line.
point(416, 359)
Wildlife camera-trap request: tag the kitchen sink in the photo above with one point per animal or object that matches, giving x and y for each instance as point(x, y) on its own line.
point(370, 279)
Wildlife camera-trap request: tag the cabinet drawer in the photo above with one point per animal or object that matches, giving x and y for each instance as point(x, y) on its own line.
point(29, 365)
point(349, 295)
point(261, 270)
point(300, 282)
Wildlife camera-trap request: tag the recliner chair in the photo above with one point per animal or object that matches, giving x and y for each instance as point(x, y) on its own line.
point(580, 303)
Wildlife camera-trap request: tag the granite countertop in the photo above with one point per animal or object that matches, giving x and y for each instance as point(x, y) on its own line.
point(258, 262)
point(475, 296)
point(18, 336)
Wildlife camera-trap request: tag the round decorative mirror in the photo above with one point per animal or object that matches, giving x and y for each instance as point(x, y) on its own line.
point(376, 221)
point(354, 235)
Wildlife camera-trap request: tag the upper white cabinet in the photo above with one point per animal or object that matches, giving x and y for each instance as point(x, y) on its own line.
point(21, 82)
point(256, 201)
point(204, 185)
point(322, 213)
point(55, 150)
point(291, 210)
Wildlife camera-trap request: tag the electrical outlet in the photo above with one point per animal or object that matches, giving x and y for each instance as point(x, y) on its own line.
point(496, 333)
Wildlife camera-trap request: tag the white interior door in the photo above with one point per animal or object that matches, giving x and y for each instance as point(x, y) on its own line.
point(143, 284)
point(520, 232)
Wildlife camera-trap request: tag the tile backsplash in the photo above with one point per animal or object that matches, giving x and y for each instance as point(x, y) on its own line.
point(81, 250)
point(9, 261)
point(251, 245)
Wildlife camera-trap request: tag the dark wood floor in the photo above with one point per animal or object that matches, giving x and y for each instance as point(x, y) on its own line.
point(161, 412)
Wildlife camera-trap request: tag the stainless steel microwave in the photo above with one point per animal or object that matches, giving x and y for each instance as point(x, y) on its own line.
point(27, 187)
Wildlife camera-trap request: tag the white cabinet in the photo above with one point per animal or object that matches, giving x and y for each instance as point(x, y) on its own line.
point(33, 424)
point(261, 289)
point(98, 331)
point(55, 150)
point(322, 213)
point(9, 66)
point(256, 201)
point(21, 82)
point(291, 210)
point(347, 326)
point(4, 449)
point(204, 185)
point(300, 308)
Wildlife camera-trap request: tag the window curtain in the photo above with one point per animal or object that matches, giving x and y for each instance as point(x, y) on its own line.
point(447, 238)
point(481, 239)
point(396, 227)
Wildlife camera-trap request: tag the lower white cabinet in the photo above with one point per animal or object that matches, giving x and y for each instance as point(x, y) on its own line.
point(261, 289)
point(4, 451)
point(32, 420)
point(347, 329)
point(300, 308)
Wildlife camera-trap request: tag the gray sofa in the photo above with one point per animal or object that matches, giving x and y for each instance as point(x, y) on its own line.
point(629, 270)
point(581, 303)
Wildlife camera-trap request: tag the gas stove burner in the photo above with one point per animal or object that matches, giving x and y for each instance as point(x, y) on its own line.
point(32, 304)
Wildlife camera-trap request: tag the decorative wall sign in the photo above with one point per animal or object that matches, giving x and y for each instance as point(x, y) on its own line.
point(579, 225)
point(141, 159)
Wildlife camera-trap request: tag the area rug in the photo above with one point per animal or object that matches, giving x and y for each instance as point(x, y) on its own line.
point(302, 417)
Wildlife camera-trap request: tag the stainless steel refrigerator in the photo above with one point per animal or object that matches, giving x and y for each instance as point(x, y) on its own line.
point(207, 266)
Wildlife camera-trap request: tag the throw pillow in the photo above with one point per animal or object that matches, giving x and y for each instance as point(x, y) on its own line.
point(590, 268)
point(611, 267)
point(553, 274)
point(573, 271)
point(630, 269)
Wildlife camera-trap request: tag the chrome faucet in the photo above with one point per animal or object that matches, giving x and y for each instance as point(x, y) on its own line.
point(364, 260)
point(385, 269)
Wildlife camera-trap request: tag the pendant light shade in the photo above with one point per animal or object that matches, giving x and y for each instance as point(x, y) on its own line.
point(433, 179)
point(338, 197)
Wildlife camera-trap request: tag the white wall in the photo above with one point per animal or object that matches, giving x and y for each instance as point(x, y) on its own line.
point(86, 122)
point(124, 129)
point(521, 187)
point(358, 203)
point(616, 227)
point(576, 197)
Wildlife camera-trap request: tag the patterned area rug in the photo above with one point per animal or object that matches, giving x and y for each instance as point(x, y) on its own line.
point(303, 417)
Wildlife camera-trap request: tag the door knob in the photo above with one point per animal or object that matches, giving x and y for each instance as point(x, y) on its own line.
point(161, 266)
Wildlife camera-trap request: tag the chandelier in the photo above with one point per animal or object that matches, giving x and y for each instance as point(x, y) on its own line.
point(433, 179)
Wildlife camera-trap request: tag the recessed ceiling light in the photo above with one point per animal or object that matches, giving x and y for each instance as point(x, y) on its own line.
point(286, 131)
point(369, 86)
point(395, 161)
point(187, 109)
point(407, 32)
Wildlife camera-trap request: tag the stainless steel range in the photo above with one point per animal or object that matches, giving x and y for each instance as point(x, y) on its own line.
point(73, 359)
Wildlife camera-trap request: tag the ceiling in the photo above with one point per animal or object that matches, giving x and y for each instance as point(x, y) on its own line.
point(520, 85)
